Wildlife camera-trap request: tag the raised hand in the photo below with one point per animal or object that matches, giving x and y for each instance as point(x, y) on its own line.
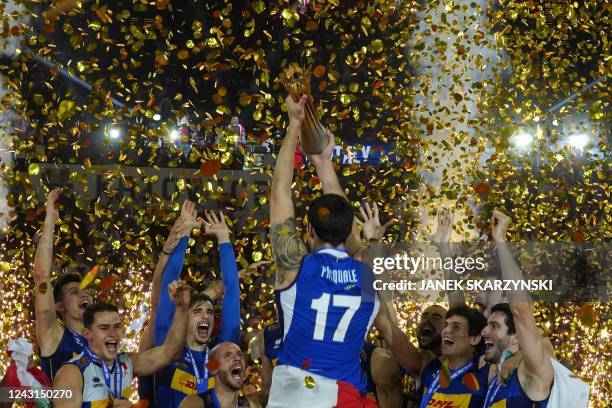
point(499, 226)
point(444, 229)
point(215, 225)
point(326, 155)
point(183, 225)
point(52, 215)
point(372, 230)
point(179, 293)
point(296, 110)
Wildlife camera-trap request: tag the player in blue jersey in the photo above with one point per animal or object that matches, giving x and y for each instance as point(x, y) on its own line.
point(189, 374)
point(101, 376)
point(326, 301)
point(454, 379)
point(58, 341)
point(229, 380)
point(511, 327)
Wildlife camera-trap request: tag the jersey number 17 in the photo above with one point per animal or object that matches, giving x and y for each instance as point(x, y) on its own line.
point(321, 305)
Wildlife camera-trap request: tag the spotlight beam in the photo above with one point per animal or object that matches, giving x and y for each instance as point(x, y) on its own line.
point(575, 94)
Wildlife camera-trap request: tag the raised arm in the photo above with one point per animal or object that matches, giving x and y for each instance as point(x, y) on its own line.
point(287, 246)
point(407, 354)
point(180, 228)
point(441, 239)
point(151, 361)
point(330, 184)
point(48, 330)
point(536, 374)
point(230, 310)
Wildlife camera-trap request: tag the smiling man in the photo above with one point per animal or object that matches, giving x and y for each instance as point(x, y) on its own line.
point(454, 379)
point(58, 341)
point(229, 380)
point(511, 327)
point(101, 376)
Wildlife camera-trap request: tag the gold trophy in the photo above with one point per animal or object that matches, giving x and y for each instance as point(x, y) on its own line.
point(313, 138)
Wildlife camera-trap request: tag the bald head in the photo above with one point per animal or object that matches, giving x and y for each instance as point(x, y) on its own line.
point(230, 362)
point(221, 347)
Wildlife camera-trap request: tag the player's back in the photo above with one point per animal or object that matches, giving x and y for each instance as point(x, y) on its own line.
point(325, 315)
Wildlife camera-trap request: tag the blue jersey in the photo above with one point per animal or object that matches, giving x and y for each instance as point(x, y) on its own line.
point(179, 379)
point(510, 395)
point(325, 315)
point(70, 345)
point(459, 393)
point(188, 375)
point(273, 340)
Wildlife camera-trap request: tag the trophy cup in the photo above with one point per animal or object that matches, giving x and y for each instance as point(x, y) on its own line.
point(313, 138)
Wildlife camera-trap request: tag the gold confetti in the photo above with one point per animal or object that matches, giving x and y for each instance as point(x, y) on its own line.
point(309, 382)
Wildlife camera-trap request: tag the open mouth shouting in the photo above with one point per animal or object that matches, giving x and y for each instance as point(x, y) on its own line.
point(447, 342)
point(112, 346)
point(489, 344)
point(236, 372)
point(83, 304)
point(203, 329)
point(426, 332)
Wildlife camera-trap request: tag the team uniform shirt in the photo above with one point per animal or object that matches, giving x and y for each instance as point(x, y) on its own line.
point(70, 346)
point(324, 316)
point(457, 394)
point(178, 380)
point(211, 401)
point(273, 340)
point(510, 395)
point(188, 374)
point(100, 385)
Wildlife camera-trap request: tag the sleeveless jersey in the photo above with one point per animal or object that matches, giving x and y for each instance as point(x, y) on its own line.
point(95, 391)
point(273, 340)
point(70, 346)
point(510, 395)
point(325, 315)
point(459, 393)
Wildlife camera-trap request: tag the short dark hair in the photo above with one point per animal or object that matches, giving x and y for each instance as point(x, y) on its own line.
point(331, 216)
point(60, 282)
point(90, 313)
point(200, 298)
point(476, 320)
point(508, 316)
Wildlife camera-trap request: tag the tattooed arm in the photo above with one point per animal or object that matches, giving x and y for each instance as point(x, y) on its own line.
point(288, 249)
point(287, 246)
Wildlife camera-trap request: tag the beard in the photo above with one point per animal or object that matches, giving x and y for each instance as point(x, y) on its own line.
point(428, 339)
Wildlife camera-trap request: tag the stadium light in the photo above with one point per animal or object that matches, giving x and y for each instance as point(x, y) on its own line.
point(578, 141)
point(114, 133)
point(521, 139)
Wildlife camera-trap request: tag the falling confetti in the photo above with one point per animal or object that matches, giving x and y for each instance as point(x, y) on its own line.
point(309, 382)
point(452, 87)
point(89, 277)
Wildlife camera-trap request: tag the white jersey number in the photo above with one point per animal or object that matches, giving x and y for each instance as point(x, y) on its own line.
point(321, 305)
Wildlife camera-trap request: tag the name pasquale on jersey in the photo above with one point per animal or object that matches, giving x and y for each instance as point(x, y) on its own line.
point(339, 275)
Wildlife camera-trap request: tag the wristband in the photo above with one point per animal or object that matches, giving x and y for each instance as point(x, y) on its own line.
point(165, 253)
